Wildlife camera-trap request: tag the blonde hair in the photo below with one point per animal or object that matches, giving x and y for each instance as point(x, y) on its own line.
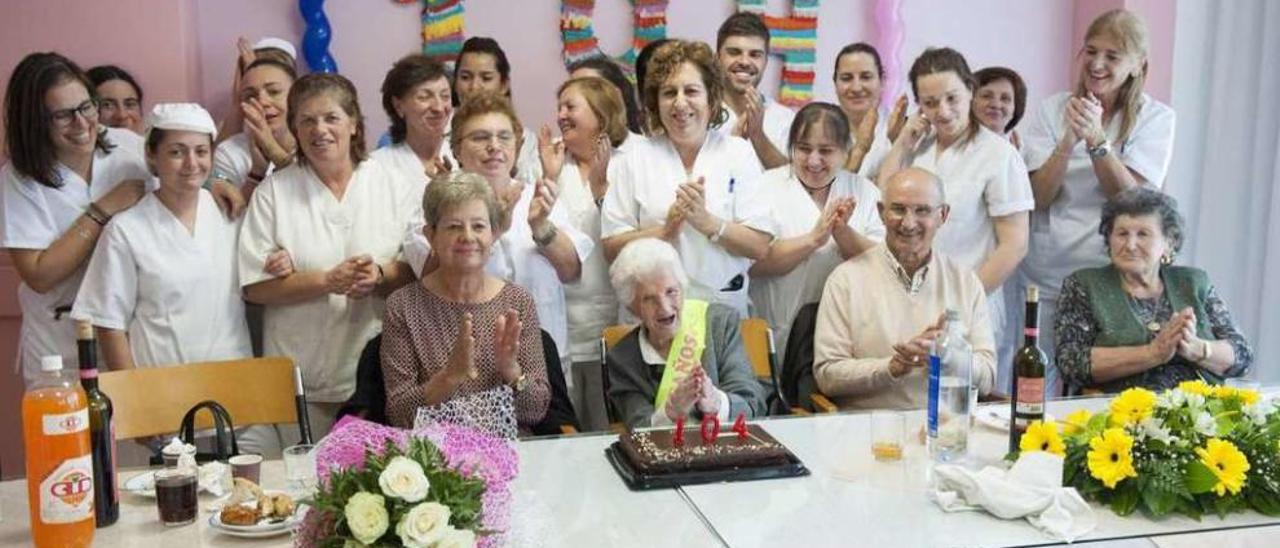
point(1130, 31)
point(605, 102)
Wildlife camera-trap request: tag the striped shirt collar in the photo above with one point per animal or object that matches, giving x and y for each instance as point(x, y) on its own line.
point(911, 283)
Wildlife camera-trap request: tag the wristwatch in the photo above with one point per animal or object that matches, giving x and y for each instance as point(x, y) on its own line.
point(547, 237)
point(522, 382)
point(1103, 149)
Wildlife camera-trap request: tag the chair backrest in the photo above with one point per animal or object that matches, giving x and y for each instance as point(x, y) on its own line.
point(609, 337)
point(369, 401)
point(796, 381)
point(152, 401)
point(560, 411)
point(757, 338)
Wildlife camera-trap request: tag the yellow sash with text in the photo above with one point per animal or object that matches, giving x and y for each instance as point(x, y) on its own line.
point(686, 349)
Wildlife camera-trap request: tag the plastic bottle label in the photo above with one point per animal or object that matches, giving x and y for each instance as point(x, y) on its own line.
point(66, 495)
point(935, 372)
point(65, 423)
point(1030, 396)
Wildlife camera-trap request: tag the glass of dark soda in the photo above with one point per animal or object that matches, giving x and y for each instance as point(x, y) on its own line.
point(176, 495)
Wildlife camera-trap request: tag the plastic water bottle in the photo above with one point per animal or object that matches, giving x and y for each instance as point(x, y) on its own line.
point(950, 386)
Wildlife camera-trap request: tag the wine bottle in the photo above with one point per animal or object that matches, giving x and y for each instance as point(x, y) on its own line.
point(1029, 363)
point(102, 432)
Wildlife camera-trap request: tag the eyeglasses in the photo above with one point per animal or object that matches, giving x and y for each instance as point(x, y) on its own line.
point(900, 211)
point(481, 138)
point(64, 117)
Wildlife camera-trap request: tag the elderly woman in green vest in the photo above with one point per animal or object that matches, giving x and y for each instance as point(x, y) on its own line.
point(686, 358)
point(1141, 321)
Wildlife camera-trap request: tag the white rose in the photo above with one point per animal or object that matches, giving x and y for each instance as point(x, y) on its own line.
point(456, 538)
point(423, 525)
point(404, 479)
point(366, 515)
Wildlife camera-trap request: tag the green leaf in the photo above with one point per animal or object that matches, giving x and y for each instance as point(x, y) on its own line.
point(1159, 502)
point(1125, 499)
point(1263, 502)
point(1199, 478)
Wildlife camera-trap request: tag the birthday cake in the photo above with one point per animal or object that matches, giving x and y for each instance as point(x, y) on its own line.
point(658, 452)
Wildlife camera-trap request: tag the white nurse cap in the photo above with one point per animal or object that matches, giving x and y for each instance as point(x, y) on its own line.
point(277, 43)
point(181, 117)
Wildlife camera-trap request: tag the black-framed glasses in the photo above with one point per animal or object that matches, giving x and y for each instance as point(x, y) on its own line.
point(64, 117)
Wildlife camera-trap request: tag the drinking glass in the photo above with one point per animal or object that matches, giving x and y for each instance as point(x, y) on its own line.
point(887, 434)
point(176, 495)
point(300, 468)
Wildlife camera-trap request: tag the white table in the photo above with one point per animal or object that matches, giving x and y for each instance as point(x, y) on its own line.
point(851, 499)
point(567, 495)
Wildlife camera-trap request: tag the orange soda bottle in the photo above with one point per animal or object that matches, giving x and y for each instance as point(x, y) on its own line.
point(55, 429)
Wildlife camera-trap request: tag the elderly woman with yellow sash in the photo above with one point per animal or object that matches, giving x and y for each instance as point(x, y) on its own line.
point(686, 358)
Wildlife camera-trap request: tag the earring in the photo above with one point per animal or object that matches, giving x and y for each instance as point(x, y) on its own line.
point(1166, 259)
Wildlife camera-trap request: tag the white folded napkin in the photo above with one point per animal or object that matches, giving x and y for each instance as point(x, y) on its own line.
point(215, 478)
point(1031, 489)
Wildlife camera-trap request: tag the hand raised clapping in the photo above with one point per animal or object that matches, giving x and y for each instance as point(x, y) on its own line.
point(507, 345)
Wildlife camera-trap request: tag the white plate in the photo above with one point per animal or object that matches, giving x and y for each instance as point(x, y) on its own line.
point(996, 416)
point(261, 530)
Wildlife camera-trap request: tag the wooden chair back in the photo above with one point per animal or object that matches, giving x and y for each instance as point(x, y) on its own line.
point(152, 401)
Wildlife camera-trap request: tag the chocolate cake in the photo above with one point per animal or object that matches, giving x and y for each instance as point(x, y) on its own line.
point(652, 451)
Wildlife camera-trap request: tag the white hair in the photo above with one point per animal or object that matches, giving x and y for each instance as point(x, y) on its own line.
point(641, 258)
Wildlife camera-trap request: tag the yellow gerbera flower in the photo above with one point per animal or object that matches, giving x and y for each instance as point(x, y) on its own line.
point(1111, 457)
point(1042, 436)
point(1246, 396)
point(1197, 386)
point(1226, 462)
point(1131, 406)
point(1076, 421)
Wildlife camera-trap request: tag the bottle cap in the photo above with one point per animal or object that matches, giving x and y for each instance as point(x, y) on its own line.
point(51, 363)
point(1033, 294)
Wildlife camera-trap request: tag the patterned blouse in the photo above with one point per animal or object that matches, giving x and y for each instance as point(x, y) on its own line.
point(418, 333)
point(1076, 329)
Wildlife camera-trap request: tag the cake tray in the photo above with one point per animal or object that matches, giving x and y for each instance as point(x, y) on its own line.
point(637, 481)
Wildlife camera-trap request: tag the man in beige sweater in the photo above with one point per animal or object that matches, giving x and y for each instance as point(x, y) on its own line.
point(881, 310)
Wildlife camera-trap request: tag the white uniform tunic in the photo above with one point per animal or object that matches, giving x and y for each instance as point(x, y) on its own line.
point(777, 299)
point(516, 258)
point(642, 187)
point(404, 162)
point(592, 304)
point(880, 146)
point(174, 291)
point(528, 164)
point(1065, 238)
point(32, 217)
point(233, 160)
point(983, 180)
point(293, 210)
point(777, 123)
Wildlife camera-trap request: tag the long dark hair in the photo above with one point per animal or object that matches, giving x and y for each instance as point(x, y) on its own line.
point(26, 126)
point(613, 73)
point(937, 60)
point(488, 46)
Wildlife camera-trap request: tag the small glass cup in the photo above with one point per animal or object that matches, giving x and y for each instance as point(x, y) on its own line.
point(176, 495)
point(300, 468)
point(888, 431)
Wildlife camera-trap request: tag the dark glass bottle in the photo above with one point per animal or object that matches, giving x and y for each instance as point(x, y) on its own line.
point(1029, 363)
point(102, 433)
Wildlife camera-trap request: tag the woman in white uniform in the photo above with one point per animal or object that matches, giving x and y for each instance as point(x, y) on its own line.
point(687, 184)
point(248, 157)
point(859, 83)
point(1086, 146)
point(66, 176)
point(342, 220)
point(537, 247)
point(418, 100)
point(591, 116)
point(483, 66)
point(983, 175)
point(822, 214)
point(161, 287)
